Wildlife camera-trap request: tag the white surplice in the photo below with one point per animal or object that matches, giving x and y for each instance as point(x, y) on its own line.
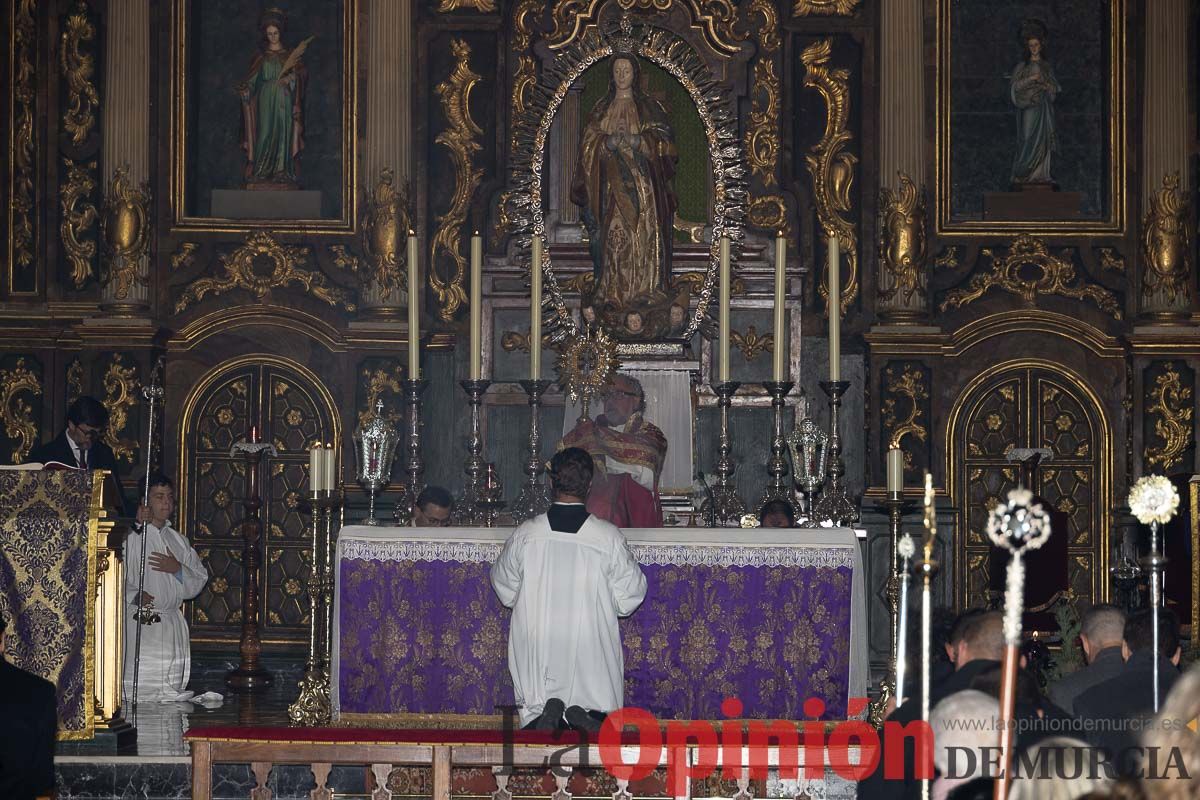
point(166, 662)
point(566, 591)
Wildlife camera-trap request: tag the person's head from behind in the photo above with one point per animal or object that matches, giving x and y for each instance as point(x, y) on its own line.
point(982, 638)
point(957, 627)
point(1102, 627)
point(963, 724)
point(1169, 733)
point(161, 499)
point(1063, 769)
point(432, 509)
point(86, 420)
point(1139, 634)
point(571, 472)
point(777, 514)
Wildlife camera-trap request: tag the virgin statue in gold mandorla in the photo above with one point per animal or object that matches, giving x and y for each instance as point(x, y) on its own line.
point(623, 186)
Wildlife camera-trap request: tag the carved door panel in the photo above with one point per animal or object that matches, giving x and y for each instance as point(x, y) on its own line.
point(292, 413)
point(1033, 407)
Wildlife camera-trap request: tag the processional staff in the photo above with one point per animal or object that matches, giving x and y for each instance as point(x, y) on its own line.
point(928, 569)
point(145, 614)
point(1154, 500)
point(1017, 525)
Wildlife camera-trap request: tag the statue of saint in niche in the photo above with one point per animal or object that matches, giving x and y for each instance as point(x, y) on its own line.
point(1033, 90)
point(623, 186)
point(272, 96)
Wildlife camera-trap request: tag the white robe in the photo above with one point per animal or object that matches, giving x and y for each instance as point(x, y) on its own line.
point(566, 591)
point(166, 661)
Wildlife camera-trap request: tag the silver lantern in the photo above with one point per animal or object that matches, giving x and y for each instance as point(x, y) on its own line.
point(808, 445)
point(374, 450)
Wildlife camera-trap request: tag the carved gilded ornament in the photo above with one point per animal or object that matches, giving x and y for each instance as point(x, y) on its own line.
point(1171, 407)
point(78, 68)
point(695, 282)
point(241, 273)
point(762, 134)
point(517, 342)
point(121, 391)
point(77, 219)
point(18, 414)
point(74, 380)
point(948, 259)
point(125, 230)
point(386, 221)
point(24, 98)
point(826, 8)
point(460, 139)
point(831, 165)
point(908, 388)
point(482, 6)
point(769, 212)
point(375, 383)
point(715, 18)
point(184, 256)
point(1111, 259)
point(1166, 242)
point(1054, 276)
point(902, 239)
point(768, 31)
point(752, 344)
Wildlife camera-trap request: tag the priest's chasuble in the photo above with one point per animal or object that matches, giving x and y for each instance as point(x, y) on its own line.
point(566, 591)
point(166, 662)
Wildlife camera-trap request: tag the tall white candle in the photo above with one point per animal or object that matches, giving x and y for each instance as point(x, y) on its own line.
point(895, 471)
point(723, 315)
point(835, 310)
point(315, 472)
point(535, 310)
point(778, 371)
point(476, 304)
point(414, 310)
point(330, 481)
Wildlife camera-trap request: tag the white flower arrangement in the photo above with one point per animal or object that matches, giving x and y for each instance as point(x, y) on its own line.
point(750, 521)
point(1018, 523)
point(1153, 499)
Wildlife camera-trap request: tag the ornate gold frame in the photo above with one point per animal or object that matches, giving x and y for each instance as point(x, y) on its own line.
point(177, 190)
point(523, 201)
point(1116, 87)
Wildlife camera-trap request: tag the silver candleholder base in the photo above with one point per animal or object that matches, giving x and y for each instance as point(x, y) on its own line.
point(313, 706)
point(778, 487)
point(414, 465)
point(834, 504)
point(466, 509)
point(534, 497)
point(724, 503)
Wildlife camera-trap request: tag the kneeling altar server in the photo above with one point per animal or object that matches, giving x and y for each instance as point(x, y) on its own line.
point(568, 576)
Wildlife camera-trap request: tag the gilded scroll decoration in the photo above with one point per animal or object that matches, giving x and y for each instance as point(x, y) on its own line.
point(948, 259)
point(460, 139)
point(830, 164)
point(19, 424)
point(1111, 259)
point(78, 216)
point(74, 380)
point(768, 31)
point(78, 68)
point(374, 383)
point(762, 134)
point(24, 98)
point(716, 18)
point(386, 222)
point(184, 256)
point(525, 78)
point(1055, 276)
point(825, 8)
point(904, 385)
point(752, 344)
point(284, 260)
point(125, 229)
point(902, 242)
point(1170, 404)
point(517, 342)
point(1166, 243)
point(121, 391)
point(482, 6)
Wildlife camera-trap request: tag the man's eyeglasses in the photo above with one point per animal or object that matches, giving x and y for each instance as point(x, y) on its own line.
point(622, 391)
point(89, 431)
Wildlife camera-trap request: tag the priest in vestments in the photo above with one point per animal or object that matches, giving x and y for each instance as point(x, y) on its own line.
point(629, 453)
point(567, 576)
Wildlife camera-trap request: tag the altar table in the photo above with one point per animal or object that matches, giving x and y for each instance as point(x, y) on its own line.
point(769, 616)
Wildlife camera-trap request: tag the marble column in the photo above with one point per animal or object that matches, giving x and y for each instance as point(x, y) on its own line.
point(1166, 254)
point(903, 266)
point(125, 159)
point(391, 42)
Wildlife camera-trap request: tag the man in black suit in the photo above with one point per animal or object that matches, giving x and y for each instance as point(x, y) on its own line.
point(1109, 707)
point(1100, 633)
point(29, 710)
point(81, 445)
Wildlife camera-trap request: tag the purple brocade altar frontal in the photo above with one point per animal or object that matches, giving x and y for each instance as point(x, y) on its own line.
point(422, 632)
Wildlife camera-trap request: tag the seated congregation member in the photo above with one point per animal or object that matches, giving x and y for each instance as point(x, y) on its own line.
point(568, 576)
point(1100, 633)
point(1171, 734)
point(81, 443)
point(1063, 769)
point(1036, 717)
point(29, 707)
point(777, 514)
point(977, 649)
point(173, 574)
point(963, 727)
point(1108, 707)
point(432, 509)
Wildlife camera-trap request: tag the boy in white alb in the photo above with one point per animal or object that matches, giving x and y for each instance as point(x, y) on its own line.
point(173, 574)
point(568, 576)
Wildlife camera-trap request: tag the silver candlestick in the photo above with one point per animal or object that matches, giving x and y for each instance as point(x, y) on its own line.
point(834, 504)
point(778, 488)
point(414, 466)
point(374, 451)
point(312, 706)
point(466, 509)
point(725, 503)
point(534, 497)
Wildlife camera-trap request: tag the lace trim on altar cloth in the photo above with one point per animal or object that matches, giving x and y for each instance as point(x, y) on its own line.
point(649, 554)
